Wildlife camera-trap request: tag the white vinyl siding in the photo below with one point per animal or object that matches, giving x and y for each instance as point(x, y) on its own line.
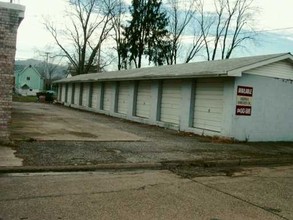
point(107, 96)
point(96, 95)
point(171, 101)
point(63, 91)
point(143, 99)
point(281, 69)
point(69, 94)
point(76, 93)
point(123, 97)
point(208, 104)
point(85, 94)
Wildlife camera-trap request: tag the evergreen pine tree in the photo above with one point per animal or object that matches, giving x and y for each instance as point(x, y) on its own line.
point(146, 33)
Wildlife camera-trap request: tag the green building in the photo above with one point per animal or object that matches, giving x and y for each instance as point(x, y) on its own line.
point(28, 81)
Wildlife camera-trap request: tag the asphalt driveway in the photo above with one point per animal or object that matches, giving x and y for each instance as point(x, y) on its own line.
point(52, 135)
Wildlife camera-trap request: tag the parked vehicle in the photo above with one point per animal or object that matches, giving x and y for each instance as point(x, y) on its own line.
point(46, 96)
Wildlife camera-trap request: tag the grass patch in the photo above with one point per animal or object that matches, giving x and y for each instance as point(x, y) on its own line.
point(17, 98)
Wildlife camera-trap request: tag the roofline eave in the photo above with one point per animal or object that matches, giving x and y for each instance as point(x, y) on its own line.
point(239, 71)
point(143, 78)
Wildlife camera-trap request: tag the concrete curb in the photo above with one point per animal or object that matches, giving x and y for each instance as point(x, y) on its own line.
point(153, 166)
point(231, 162)
point(73, 168)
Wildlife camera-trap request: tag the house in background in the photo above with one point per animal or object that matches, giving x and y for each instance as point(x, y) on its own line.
point(28, 81)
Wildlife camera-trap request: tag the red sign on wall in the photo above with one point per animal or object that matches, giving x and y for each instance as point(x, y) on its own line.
point(244, 100)
point(243, 110)
point(244, 91)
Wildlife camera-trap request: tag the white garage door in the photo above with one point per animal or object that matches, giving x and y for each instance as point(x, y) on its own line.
point(69, 93)
point(143, 99)
point(85, 94)
point(76, 93)
point(96, 95)
point(208, 104)
point(123, 97)
point(171, 101)
point(107, 96)
point(63, 92)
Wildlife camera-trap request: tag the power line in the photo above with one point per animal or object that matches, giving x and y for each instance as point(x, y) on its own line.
point(276, 29)
point(250, 32)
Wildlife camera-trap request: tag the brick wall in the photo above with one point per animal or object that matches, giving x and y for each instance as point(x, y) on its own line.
point(10, 18)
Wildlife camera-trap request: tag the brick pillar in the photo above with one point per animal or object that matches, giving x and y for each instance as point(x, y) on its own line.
point(10, 18)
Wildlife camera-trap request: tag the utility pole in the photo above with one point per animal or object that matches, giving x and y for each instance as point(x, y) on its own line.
point(47, 69)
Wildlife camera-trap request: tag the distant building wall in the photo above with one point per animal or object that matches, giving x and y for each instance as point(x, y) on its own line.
point(10, 18)
point(28, 82)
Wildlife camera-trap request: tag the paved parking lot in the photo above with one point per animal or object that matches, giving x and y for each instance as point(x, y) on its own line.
point(49, 135)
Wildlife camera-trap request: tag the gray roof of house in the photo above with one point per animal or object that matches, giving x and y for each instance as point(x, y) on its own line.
point(214, 68)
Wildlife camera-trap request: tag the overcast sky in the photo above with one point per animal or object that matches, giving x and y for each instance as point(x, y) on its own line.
point(274, 21)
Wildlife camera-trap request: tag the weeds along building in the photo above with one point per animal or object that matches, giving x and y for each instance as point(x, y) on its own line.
point(248, 99)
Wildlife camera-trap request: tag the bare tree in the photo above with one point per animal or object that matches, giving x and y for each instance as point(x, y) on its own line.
point(222, 29)
point(200, 36)
point(118, 18)
point(89, 27)
point(180, 15)
point(230, 27)
point(241, 16)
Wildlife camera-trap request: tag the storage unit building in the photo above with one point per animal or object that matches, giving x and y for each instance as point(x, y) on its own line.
point(247, 98)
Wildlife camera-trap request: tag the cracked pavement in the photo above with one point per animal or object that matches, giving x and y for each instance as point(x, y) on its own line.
point(258, 193)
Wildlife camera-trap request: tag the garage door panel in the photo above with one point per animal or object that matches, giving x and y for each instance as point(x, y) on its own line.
point(143, 99)
point(172, 93)
point(144, 102)
point(85, 94)
point(209, 109)
point(209, 93)
point(107, 96)
point(170, 101)
point(208, 104)
point(207, 116)
point(76, 93)
point(169, 107)
point(170, 111)
point(208, 126)
point(123, 97)
point(96, 95)
point(69, 94)
point(63, 92)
